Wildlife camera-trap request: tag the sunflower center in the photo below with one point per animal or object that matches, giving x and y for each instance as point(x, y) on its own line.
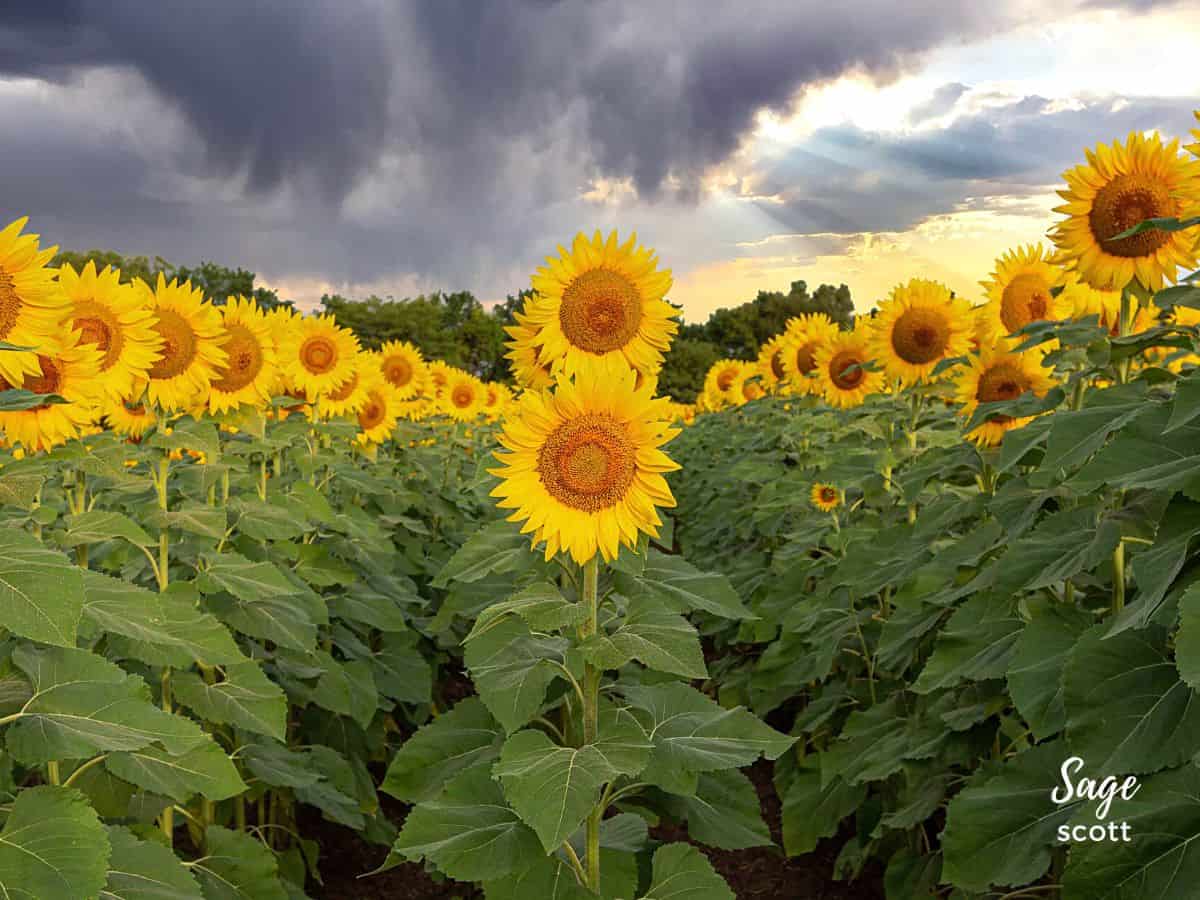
point(846, 371)
point(245, 360)
point(920, 336)
point(1002, 381)
point(341, 394)
point(397, 370)
point(462, 396)
point(97, 325)
point(805, 362)
point(828, 494)
point(725, 379)
point(777, 364)
point(1124, 202)
point(601, 311)
point(179, 345)
point(1025, 299)
point(372, 413)
point(318, 354)
point(10, 303)
point(588, 462)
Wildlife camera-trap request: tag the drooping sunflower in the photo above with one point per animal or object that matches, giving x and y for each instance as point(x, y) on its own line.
point(841, 374)
point(825, 497)
point(117, 318)
point(68, 370)
point(32, 303)
point(995, 374)
point(192, 338)
point(803, 336)
point(523, 352)
point(251, 371)
point(463, 397)
point(600, 306)
point(1120, 187)
point(379, 411)
point(403, 367)
point(583, 470)
point(318, 355)
point(349, 397)
point(770, 361)
point(918, 326)
point(129, 415)
point(1020, 291)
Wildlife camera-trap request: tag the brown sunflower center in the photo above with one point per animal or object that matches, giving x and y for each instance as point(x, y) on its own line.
point(1124, 202)
point(372, 413)
point(397, 370)
point(805, 362)
point(493, 397)
point(750, 390)
point(846, 371)
point(341, 394)
point(828, 495)
point(1025, 299)
point(1002, 381)
point(318, 354)
point(921, 335)
point(136, 409)
point(777, 364)
point(588, 462)
point(601, 311)
point(10, 303)
point(245, 360)
point(179, 345)
point(725, 379)
point(462, 396)
point(97, 325)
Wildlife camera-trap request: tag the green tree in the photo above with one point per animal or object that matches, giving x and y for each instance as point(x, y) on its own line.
point(684, 368)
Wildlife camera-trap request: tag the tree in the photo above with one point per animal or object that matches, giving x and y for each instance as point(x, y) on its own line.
point(684, 368)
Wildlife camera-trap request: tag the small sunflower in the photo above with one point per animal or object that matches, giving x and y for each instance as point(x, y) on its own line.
point(117, 318)
point(600, 306)
point(379, 411)
point(32, 303)
point(463, 397)
point(583, 470)
point(770, 361)
point(497, 398)
point(999, 374)
point(825, 497)
point(1120, 187)
point(318, 355)
point(192, 336)
point(349, 397)
point(439, 377)
point(1019, 292)
point(130, 416)
point(722, 384)
point(70, 371)
point(250, 373)
point(403, 367)
point(802, 337)
point(917, 327)
point(841, 376)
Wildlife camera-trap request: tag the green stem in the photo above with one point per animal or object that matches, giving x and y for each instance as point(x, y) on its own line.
point(1118, 591)
point(591, 713)
point(262, 477)
point(52, 774)
point(94, 761)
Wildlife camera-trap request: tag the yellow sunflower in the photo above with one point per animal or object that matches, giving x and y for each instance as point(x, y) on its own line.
point(117, 318)
point(600, 306)
point(722, 384)
point(192, 335)
point(351, 395)
point(497, 398)
point(464, 397)
point(996, 374)
point(840, 376)
point(1186, 316)
point(583, 470)
point(917, 327)
point(1019, 292)
point(439, 376)
point(317, 355)
point(250, 373)
point(825, 497)
point(403, 367)
point(130, 416)
point(770, 361)
point(1121, 186)
point(522, 355)
point(32, 303)
point(803, 336)
point(68, 370)
point(378, 413)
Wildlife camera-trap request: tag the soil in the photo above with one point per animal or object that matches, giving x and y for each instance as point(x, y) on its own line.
point(760, 873)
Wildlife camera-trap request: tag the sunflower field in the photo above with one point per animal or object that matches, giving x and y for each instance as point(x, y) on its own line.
point(912, 570)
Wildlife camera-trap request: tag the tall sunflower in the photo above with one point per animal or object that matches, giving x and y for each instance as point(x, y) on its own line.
point(583, 470)
point(802, 337)
point(32, 304)
point(600, 306)
point(403, 367)
point(117, 319)
point(317, 355)
point(997, 374)
point(1120, 187)
point(351, 395)
point(439, 377)
point(379, 411)
point(918, 326)
point(1020, 289)
point(250, 373)
point(68, 369)
point(192, 338)
point(770, 361)
point(464, 397)
point(841, 376)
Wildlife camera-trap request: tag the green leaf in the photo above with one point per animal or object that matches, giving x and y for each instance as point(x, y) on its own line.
point(19, 399)
point(976, 643)
point(205, 770)
point(463, 738)
point(497, 547)
point(237, 866)
point(41, 593)
point(347, 689)
point(269, 521)
point(512, 668)
point(812, 811)
point(145, 870)
point(1162, 223)
point(1155, 568)
point(684, 587)
point(1001, 827)
point(198, 518)
point(681, 872)
point(1076, 435)
point(96, 525)
point(246, 697)
point(401, 670)
point(872, 745)
point(468, 832)
point(278, 766)
point(1187, 641)
point(725, 812)
point(21, 491)
point(1035, 671)
point(52, 845)
point(1127, 709)
point(663, 641)
point(82, 704)
point(541, 605)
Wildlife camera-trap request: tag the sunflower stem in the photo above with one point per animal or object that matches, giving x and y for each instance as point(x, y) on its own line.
point(591, 712)
point(52, 774)
point(262, 477)
point(1118, 565)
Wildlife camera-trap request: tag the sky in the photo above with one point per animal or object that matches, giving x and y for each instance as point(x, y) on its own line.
point(403, 146)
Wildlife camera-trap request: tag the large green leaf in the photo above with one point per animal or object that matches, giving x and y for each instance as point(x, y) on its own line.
point(97, 525)
point(511, 668)
point(401, 670)
point(812, 811)
point(724, 812)
point(663, 641)
point(204, 770)
point(245, 697)
point(145, 870)
point(256, 598)
point(541, 605)
point(1076, 435)
point(1035, 671)
point(41, 593)
point(52, 845)
point(455, 741)
point(348, 689)
point(237, 866)
point(677, 582)
point(1187, 640)
point(681, 872)
point(975, 644)
point(497, 547)
point(1155, 568)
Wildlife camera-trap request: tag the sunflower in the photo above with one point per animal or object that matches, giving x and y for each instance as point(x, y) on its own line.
point(496, 400)
point(997, 373)
point(584, 471)
point(600, 306)
point(841, 376)
point(770, 361)
point(32, 304)
point(802, 337)
point(439, 376)
point(68, 370)
point(1190, 318)
point(722, 384)
point(192, 336)
point(825, 497)
point(379, 411)
point(1019, 292)
point(522, 355)
point(250, 373)
point(349, 397)
point(129, 416)
point(318, 355)
point(918, 326)
point(117, 318)
point(463, 397)
point(1121, 186)
point(403, 367)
